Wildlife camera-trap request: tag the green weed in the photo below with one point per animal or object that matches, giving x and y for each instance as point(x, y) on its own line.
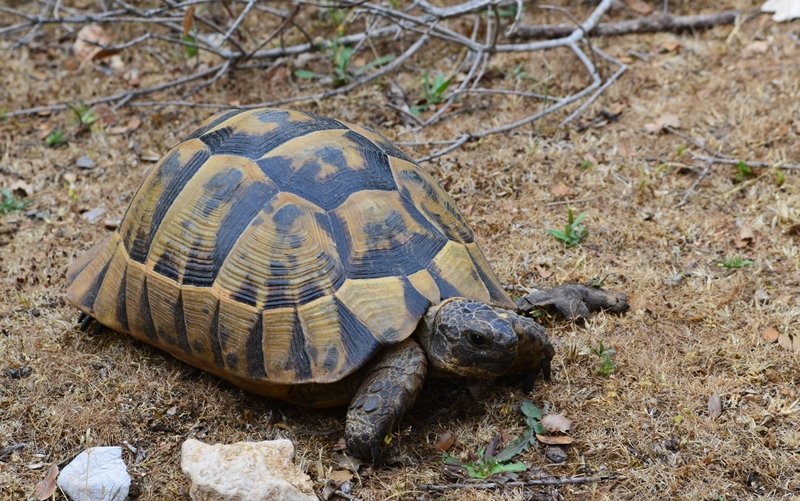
point(735, 263)
point(607, 365)
point(55, 138)
point(574, 232)
point(9, 202)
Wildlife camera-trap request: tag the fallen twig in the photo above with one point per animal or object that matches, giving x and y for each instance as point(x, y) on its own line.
point(525, 483)
point(386, 27)
point(750, 163)
point(651, 24)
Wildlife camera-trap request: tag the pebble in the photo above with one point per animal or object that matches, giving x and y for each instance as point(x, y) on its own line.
point(96, 474)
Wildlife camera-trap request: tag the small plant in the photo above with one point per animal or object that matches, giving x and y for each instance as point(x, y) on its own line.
point(735, 263)
point(743, 172)
point(574, 232)
point(55, 138)
point(487, 465)
point(83, 115)
point(519, 73)
point(190, 47)
point(333, 16)
point(9, 202)
point(434, 91)
point(586, 164)
point(779, 178)
point(340, 55)
point(607, 365)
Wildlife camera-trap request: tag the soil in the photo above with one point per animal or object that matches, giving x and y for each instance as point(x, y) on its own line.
point(709, 255)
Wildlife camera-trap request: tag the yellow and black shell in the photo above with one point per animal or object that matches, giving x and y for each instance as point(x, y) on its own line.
point(276, 247)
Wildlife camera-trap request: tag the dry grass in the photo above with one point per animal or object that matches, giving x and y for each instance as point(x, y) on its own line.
point(682, 341)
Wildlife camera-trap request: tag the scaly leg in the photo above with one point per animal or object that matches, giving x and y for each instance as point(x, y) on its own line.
point(390, 387)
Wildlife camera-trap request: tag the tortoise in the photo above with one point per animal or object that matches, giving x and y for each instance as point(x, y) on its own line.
point(309, 260)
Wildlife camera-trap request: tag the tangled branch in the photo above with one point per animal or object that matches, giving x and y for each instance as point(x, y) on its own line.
point(421, 32)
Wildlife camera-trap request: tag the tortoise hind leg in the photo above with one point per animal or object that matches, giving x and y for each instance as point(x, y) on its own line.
point(389, 388)
point(88, 324)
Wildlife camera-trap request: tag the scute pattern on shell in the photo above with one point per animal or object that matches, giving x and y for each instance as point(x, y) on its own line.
point(280, 247)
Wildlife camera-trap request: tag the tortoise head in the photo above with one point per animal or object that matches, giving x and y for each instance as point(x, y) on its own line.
point(469, 338)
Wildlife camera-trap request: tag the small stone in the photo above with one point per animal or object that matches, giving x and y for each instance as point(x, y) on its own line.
point(96, 474)
point(761, 296)
point(555, 454)
point(92, 216)
point(84, 162)
point(257, 471)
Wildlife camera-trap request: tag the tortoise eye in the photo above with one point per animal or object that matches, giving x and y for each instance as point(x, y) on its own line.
point(477, 339)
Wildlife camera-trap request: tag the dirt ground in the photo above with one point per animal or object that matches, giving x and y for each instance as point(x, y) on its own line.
point(659, 229)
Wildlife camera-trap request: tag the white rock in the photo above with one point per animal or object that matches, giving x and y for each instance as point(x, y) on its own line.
point(784, 10)
point(244, 471)
point(96, 474)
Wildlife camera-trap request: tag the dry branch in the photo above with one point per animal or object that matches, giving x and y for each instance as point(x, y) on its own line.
point(385, 26)
point(652, 24)
point(526, 483)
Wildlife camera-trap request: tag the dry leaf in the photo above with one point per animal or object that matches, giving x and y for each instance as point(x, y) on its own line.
point(662, 122)
point(341, 476)
point(188, 19)
point(755, 48)
point(794, 230)
point(639, 6)
point(89, 42)
point(46, 487)
point(340, 445)
point(150, 156)
point(554, 423)
point(130, 126)
point(559, 190)
point(670, 46)
point(669, 120)
point(771, 335)
point(745, 236)
point(21, 188)
point(347, 462)
point(789, 342)
point(559, 440)
point(105, 114)
point(445, 441)
point(543, 272)
point(714, 406)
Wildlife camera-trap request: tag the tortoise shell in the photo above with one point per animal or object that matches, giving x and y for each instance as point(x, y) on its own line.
point(281, 247)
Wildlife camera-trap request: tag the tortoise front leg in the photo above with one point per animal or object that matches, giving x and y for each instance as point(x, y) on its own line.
point(575, 301)
point(390, 387)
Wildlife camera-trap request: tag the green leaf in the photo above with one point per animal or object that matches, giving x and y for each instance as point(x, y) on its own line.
point(10, 203)
point(55, 138)
point(306, 74)
point(489, 467)
point(538, 427)
point(375, 63)
point(558, 234)
point(191, 48)
point(531, 410)
point(518, 446)
point(511, 467)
